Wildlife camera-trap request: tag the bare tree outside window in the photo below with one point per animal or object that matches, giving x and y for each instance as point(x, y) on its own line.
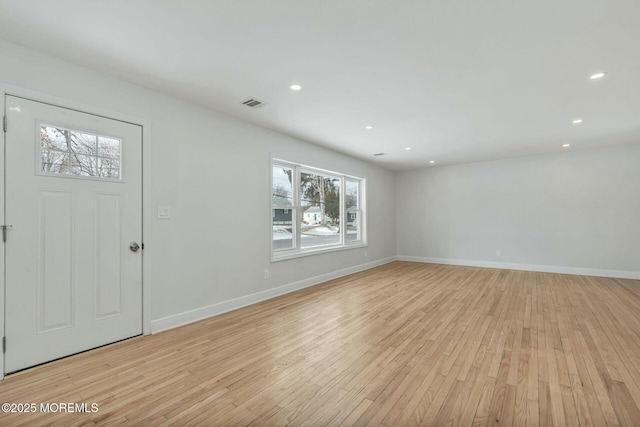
point(320, 204)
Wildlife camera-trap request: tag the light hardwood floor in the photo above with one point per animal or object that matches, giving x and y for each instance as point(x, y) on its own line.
point(400, 345)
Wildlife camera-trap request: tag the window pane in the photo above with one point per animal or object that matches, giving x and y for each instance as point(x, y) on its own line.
point(83, 165)
point(282, 208)
point(351, 201)
point(54, 161)
point(320, 203)
point(108, 168)
point(282, 191)
point(52, 138)
point(82, 143)
point(108, 147)
point(282, 229)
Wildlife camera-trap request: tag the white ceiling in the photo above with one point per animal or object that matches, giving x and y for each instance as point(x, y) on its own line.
point(458, 81)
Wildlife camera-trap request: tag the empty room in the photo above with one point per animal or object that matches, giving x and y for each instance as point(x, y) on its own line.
point(331, 213)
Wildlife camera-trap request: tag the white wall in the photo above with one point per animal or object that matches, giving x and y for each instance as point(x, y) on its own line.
point(213, 171)
point(576, 211)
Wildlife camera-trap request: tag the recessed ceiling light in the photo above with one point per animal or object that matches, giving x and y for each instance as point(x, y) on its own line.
point(566, 145)
point(597, 76)
point(295, 87)
point(577, 121)
point(368, 127)
point(432, 161)
point(408, 148)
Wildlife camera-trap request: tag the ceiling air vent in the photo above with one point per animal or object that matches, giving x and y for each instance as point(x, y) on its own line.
point(253, 103)
point(379, 154)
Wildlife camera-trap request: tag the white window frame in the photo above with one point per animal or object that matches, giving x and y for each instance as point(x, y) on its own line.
point(359, 208)
point(297, 216)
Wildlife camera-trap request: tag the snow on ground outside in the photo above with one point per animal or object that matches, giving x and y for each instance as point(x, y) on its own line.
point(281, 232)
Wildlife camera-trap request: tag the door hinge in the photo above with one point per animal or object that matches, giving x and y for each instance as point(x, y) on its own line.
point(4, 124)
point(142, 246)
point(4, 231)
point(4, 344)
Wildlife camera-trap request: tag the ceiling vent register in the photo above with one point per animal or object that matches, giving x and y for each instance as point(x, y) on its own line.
point(253, 103)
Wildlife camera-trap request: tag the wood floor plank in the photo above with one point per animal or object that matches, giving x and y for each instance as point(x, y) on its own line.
point(404, 344)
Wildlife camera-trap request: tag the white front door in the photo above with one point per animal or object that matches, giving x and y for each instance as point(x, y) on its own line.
point(73, 199)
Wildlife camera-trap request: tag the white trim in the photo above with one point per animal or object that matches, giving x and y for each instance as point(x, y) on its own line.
point(598, 272)
point(293, 163)
point(2, 221)
point(147, 217)
point(343, 211)
point(314, 250)
point(198, 314)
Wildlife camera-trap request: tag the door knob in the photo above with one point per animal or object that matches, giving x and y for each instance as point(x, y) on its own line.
point(134, 247)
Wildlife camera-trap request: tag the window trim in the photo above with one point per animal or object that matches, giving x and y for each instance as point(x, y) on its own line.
point(297, 251)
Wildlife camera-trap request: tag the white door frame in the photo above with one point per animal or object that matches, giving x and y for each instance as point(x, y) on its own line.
point(6, 89)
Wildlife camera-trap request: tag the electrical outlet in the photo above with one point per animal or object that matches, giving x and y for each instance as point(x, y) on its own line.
point(365, 254)
point(267, 274)
point(498, 252)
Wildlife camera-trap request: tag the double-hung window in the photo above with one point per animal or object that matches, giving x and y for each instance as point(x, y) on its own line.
point(314, 210)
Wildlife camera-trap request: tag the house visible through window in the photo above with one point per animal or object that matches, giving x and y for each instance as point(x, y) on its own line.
point(314, 210)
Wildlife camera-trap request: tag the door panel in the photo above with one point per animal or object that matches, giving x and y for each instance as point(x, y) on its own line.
point(54, 260)
point(74, 199)
point(108, 280)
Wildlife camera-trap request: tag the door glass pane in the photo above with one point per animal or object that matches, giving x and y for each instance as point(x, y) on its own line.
point(82, 143)
point(108, 147)
point(83, 165)
point(108, 168)
point(52, 138)
point(320, 204)
point(54, 161)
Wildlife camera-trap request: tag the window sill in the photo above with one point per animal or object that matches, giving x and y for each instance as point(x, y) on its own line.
point(285, 255)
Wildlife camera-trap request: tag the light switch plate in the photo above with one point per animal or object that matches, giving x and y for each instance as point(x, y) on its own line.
point(164, 212)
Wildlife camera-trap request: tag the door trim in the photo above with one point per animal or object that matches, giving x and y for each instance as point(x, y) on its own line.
point(145, 124)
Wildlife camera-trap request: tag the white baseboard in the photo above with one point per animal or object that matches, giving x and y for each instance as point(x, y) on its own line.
point(619, 274)
point(197, 314)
